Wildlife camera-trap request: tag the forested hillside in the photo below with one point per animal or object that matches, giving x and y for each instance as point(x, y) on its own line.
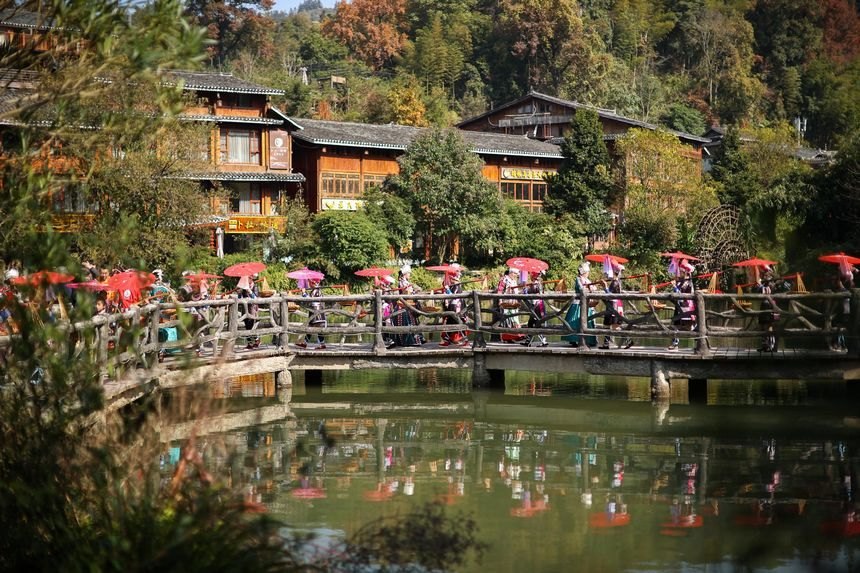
point(686, 64)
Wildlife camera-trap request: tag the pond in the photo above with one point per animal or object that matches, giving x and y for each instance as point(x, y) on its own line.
point(561, 472)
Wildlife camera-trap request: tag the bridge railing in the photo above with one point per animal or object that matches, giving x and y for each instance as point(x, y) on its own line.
point(218, 328)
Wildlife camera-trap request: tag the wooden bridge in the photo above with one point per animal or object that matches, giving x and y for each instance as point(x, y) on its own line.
point(231, 337)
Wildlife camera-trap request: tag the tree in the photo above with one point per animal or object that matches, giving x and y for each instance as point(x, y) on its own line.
point(583, 187)
point(234, 25)
point(373, 30)
point(348, 242)
point(391, 213)
point(441, 179)
point(405, 104)
point(684, 118)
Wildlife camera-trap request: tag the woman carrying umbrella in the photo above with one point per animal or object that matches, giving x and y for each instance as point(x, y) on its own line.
point(537, 308)
point(572, 318)
point(402, 315)
point(316, 318)
point(451, 285)
point(614, 307)
point(684, 317)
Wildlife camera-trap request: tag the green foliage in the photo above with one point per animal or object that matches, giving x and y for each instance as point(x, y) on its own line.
point(391, 213)
point(646, 232)
point(347, 242)
point(684, 118)
point(442, 181)
point(299, 238)
point(583, 187)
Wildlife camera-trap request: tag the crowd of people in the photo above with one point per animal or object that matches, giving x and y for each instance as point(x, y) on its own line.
point(118, 290)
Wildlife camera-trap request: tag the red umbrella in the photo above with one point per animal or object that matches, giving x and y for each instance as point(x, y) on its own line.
point(527, 264)
point(306, 275)
point(754, 262)
point(43, 277)
point(839, 259)
point(129, 284)
point(244, 269)
point(679, 255)
point(598, 258)
point(200, 277)
point(449, 269)
point(374, 272)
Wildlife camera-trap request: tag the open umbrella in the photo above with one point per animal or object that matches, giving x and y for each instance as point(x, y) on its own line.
point(754, 262)
point(598, 258)
point(306, 275)
point(42, 278)
point(527, 264)
point(200, 277)
point(374, 272)
point(244, 269)
point(448, 269)
point(839, 259)
point(89, 285)
point(129, 284)
point(679, 255)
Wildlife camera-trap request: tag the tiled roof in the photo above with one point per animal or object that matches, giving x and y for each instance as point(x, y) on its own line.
point(603, 113)
point(220, 82)
point(398, 137)
point(230, 119)
point(19, 18)
point(244, 176)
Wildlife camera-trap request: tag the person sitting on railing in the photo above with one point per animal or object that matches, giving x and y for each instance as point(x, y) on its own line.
point(684, 317)
point(537, 309)
point(316, 317)
point(572, 318)
point(401, 315)
point(451, 285)
point(767, 317)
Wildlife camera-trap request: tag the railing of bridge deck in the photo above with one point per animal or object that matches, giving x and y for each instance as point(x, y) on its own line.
point(215, 327)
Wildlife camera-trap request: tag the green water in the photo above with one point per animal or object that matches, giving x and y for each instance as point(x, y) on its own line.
point(761, 478)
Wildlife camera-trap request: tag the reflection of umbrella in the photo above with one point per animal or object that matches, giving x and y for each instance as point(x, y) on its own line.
point(527, 264)
point(43, 277)
point(679, 255)
point(839, 259)
point(374, 272)
point(604, 520)
point(754, 262)
point(308, 493)
point(598, 258)
point(244, 269)
point(306, 275)
point(448, 269)
point(379, 494)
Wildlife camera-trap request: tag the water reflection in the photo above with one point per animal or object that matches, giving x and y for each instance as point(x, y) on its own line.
point(559, 472)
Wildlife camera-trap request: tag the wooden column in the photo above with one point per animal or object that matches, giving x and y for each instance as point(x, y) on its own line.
point(379, 342)
point(479, 341)
point(702, 346)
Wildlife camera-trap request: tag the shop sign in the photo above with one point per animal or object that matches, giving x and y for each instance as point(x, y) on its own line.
point(279, 149)
point(342, 204)
point(241, 225)
point(524, 173)
point(72, 222)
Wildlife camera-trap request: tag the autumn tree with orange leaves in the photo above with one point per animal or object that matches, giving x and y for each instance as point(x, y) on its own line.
point(373, 30)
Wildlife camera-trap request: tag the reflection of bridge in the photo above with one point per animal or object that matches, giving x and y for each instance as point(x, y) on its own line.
point(211, 336)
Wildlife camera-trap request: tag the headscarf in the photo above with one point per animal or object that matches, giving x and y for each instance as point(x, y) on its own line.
point(584, 268)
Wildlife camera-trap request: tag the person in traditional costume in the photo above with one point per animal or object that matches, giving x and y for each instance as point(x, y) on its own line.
point(507, 308)
point(767, 316)
point(572, 318)
point(537, 309)
point(842, 317)
point(684, 316)
point(451, 285)
point(247, 288)
point(316, 318)
point(614, 317)
point(401, 314)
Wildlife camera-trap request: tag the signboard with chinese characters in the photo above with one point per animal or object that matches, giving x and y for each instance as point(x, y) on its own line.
point(279, 149)
point(329, 204)
point(525, 173)
point(72, 222)
point(250, 224)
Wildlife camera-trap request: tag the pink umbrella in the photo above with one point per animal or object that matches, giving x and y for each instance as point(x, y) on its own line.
point(306, 275)
point(679, 255)
point(244, 269)
point(90, 285)
point(374, 272)
point(447, 269)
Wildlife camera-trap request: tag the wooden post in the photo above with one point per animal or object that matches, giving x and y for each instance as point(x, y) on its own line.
point(703, 348)
point(852, 338)
point(284, 337)
point(232, 326)
point(154, 321)
point(379, 343)
point(583, 314)
point(479, 321)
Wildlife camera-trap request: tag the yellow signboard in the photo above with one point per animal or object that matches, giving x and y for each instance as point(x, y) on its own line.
point(522, 173)
point(329, 204)
point(260, 224)
point(71, 222)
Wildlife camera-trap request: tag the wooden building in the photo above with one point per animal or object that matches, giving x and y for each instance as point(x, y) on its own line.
point(341, 159)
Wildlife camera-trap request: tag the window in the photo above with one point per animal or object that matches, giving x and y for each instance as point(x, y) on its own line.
point(373, 181)
point(71, 199)
point(247, 199)
point(340, 185)
point(239, 146)
point(528, 194)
